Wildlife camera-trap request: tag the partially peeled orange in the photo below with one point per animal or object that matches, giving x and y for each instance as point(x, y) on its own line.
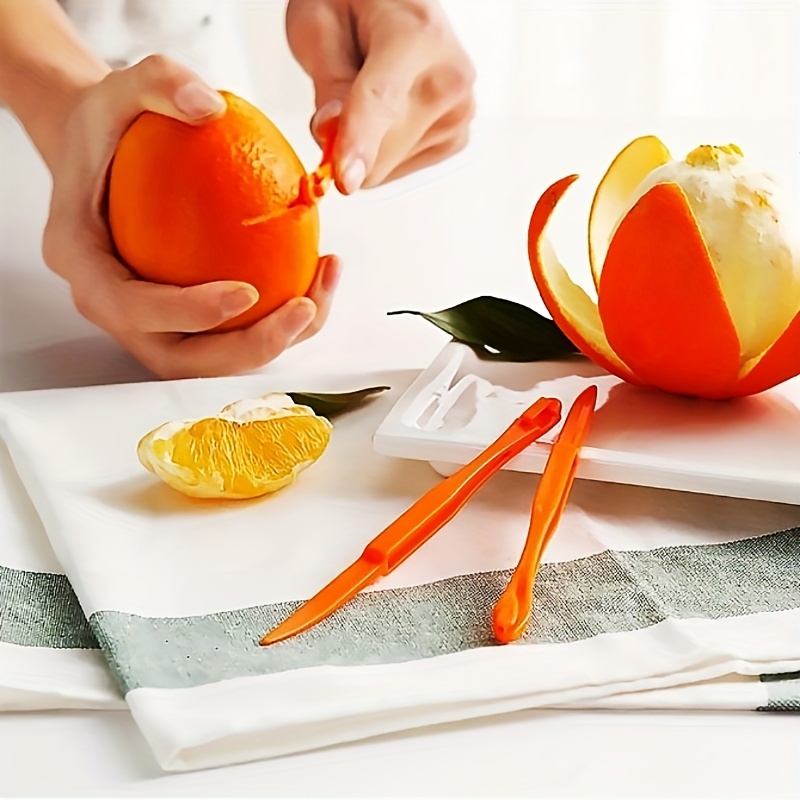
point(696, 266)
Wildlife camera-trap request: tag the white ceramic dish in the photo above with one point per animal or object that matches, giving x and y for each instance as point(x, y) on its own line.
point(748, 447)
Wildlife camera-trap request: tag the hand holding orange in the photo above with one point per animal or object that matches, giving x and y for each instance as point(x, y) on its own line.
point(228, 200)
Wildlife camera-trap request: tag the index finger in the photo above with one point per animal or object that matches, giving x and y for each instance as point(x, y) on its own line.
point(378, 99)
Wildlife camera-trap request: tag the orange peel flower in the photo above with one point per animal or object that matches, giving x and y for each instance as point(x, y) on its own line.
point(696, 269)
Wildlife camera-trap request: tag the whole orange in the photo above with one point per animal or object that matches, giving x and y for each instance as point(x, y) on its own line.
point(192, 204)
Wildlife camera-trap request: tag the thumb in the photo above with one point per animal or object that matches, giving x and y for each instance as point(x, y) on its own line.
point(155, 84)
point(162, 85)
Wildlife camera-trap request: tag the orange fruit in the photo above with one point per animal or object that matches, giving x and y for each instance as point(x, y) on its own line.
point(696, 271)
point(228, 200)
point(251, 448)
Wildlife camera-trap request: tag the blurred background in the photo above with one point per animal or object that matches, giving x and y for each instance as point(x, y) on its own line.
point(644, 64)
point(600, 58)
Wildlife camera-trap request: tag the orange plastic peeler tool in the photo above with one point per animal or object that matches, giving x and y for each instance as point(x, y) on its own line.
point(314, 184)
point(421, 521)
point(513, 609)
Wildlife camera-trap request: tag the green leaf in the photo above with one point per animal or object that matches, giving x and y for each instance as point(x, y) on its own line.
point(330, 405)
point(501, 330)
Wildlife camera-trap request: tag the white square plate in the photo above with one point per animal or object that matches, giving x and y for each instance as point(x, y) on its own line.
point(749, 447)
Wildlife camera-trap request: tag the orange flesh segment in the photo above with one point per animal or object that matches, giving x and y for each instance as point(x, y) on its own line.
point(571, 308)
point(615, 190)
point(661, 302)
point(779, 363)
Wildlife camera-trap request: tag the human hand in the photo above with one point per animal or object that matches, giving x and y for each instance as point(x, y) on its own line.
point(395, 75)
point(164, 327)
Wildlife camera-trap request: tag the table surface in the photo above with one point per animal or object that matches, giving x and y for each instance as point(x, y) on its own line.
point(427, 243)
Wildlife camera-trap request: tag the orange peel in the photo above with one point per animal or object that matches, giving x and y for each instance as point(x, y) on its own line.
point(630, 167)
point(570, 306)
point(696, 269)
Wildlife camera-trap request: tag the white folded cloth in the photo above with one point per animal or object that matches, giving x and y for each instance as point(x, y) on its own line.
point(647, 598)
point(49, 657)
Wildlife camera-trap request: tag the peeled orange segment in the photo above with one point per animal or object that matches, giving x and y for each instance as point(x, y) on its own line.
point(249, 449)
point(571, 308)
point(661, 303)
point(776, 365)
point(615, 192)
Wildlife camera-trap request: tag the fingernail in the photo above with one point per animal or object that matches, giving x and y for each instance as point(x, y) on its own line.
point(238, 300)
point(331, 109)
point(353, 175)
point(197, 100)
point(298, 319)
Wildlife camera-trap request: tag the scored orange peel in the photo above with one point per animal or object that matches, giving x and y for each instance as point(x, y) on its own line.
point(251, 448)
point(696, 269)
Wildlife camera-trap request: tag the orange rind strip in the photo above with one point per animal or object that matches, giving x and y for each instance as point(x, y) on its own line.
point(776, 365)
point(615, 191)
point(575, 313)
